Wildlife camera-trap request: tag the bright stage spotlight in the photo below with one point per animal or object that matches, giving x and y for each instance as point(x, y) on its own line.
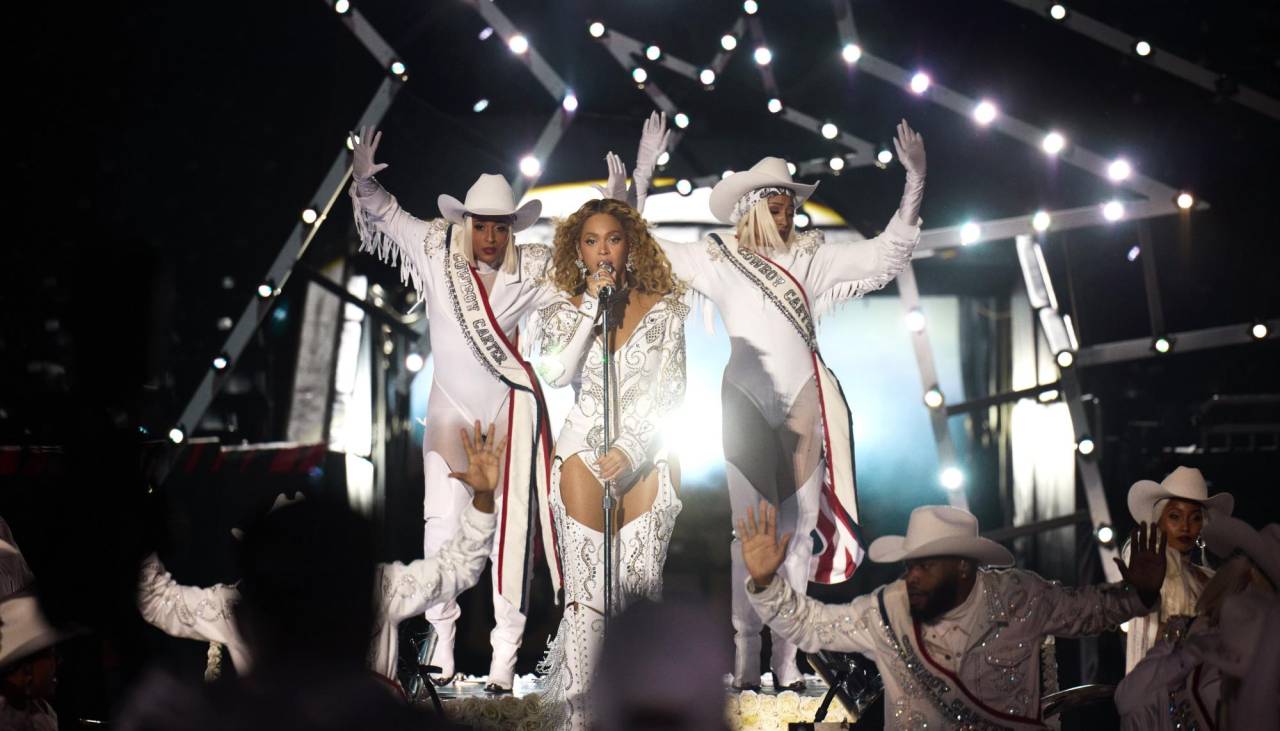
point(414, 361)
point(1085, 446)
point(1065, 358)
point(596, 29)
point(684, 186)
point(830, 131)
point(1259, 331)
point(985, 112)
point(933, 398)
point(707, 77)
point(309, 216)
point(681, 120)
point(802, 220)
point(851, 53)
point(951, 478)
point(775, 106)
point(1162, 344)
point(1134, 252)
point(1048, 396)
point(919, 83)
point(398, 68)
point(970, 232)
point(728, 42)
point(836, 163)
point(750, 7)
point(1119, 169)
point(341, 7)
point(639, 74)
point(915, 320)
point(1053, 143)
point(518, 44)
point(1185, 200)
point(653, 53)
point(1105, 534)
point(224, 323)
point(1142, 48)
point(1113, 211)
point(1040, 221)
point(791, 167)
point(176, 435)
point(763, 56)
point(884, 156)
point(485, 33)
point(570, 102)
point(1057, 11)
point(664, 158)
point(221, 362)
point(480, 105)
point(530, 166)
point(267, 289)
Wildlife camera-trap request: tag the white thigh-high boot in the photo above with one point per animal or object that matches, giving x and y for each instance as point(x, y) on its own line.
point(508, 629)
point(571, 656)
point(801, 511)
point(642, 545)
point(443, 502)
point(746, 623)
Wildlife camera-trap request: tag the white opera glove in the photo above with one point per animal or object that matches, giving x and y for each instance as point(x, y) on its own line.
point(653, 141)
point(616, 188)
point(366, 146)
point(910, 147)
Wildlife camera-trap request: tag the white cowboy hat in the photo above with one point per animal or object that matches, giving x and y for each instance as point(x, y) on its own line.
point(939, 530)
point(491, 196)
point(1184, 483)
point(23, 630)
point(770, 172)
point(1224, 534)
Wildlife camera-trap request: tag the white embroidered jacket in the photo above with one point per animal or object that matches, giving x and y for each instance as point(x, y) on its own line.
point(649, 375)
point(403, 590)
point(1001, 667)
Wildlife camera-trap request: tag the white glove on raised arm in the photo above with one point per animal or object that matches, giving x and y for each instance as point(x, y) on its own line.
point(616, 188)
point(653, 141)
point(363, 168)
point(910, 147)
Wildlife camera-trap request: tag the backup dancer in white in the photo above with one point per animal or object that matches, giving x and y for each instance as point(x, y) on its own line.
point(647, 383)
point(476, 285)
point(787, 430)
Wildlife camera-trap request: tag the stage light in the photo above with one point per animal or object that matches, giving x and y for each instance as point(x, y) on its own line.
point(1047, 396)
point(1040, 221)
point(596, 29)
point(225, 323)
point(220, 363)
point(1058, 12)
point(341, 7)
point(726, 174)
point(791, 167)
point(639, 74)
point(1162, 344)
point(969, 233)
point(664, 158)
point(985, 112)
point(398, 68)
point(775, 106)
point(1142, 48)
point(830, 131)
point(684, 186)
point(351, 141)
point(266, 289)
point(530, 166)
point(1065, 358)
point(728, 42)
point(1119, 169)
point(681, 120)
point(915, 320)
point(480, 105)
point(1259, 331)
point(309, 216)
point(1085, 446)
point(228, 282)
point(933, 398)
point(1105, 534)
point(1053, 143)
point(570, 102)
point(486, 33)
point(653, 53)
point(919, 83)
point(388, 347)
point(763, 56)
point(518, 44)
point(851, 53)
point(414, 361)
point(1113, 211)
point(951, 478)
point(176, 435)
point(750, 7)
point(884, 156)
point(802, 220)
point(1134, 252)
point(1185, 200)
point(836, 163)
point(707, 77)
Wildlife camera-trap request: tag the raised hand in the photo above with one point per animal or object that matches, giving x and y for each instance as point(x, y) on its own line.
point(762, 552)
point(366, 146)
point(910, 147)
point(484, 456)
point(1146, 568)
point(653, 140)
point(616, 188)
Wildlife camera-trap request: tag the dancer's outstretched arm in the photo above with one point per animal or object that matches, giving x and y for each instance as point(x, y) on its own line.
point(842, 271)
point(189, 612)
point(386, 230)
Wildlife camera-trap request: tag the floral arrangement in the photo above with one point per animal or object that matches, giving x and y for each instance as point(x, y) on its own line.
point(750, 711)
point(500, 713)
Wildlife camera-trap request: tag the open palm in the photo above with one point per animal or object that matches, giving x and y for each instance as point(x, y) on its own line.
point(762, 552)
point(484, 456)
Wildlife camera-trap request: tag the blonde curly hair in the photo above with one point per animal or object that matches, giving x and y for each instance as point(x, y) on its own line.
point(650, 271)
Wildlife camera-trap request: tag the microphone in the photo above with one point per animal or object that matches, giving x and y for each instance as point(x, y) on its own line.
point(606, 291)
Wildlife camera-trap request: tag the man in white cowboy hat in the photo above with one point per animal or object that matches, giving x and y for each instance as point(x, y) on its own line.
point(1179, 507)
point(28, 667)
point(787, 427)
point(957, 643)
point(476, 286)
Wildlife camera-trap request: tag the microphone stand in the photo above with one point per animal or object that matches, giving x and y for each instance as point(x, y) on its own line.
point(610, 501)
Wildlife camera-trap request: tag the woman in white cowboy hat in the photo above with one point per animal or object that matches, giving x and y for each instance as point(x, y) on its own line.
point(1179, 507)
point(28, 666)
point(787, 429)
point(476, 285)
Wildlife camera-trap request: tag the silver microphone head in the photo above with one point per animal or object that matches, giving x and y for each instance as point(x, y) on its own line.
point(606, 267)
point(606, 291)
